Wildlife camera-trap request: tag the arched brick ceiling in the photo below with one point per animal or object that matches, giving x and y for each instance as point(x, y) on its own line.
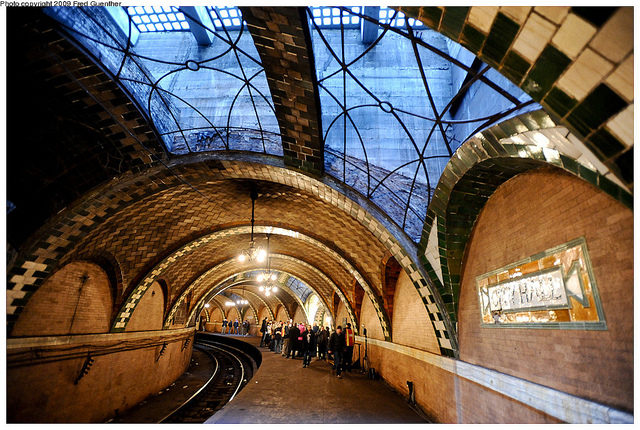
point(139, 235)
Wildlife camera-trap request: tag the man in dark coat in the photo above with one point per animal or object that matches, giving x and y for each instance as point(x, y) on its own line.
point(336, 347)
point(322, 339)
point(308, 345)
point(294, 333)
point(263, 330)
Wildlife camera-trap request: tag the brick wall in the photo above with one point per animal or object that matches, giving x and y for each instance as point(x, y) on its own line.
point(410, 324)
point(299, 316)
point(477, 404)
point(369, 319)
point(341, 314)
point(282, 315)
point(148, 315)
point(528, 214)
point(46, 392)
point(64, 305)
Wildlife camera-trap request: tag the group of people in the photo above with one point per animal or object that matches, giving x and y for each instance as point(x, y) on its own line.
point(299, 340)
point(235, 327)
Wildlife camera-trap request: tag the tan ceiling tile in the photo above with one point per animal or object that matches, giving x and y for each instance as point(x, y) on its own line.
point(615, 39)
point(573, 35)
point(584, 74)
point(481, 17)
point(621, 80)
point(517, 13)
point(555, 14)
point(621, 126)
point(533, 37)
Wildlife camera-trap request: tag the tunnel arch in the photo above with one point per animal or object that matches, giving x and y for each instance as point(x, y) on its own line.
point(489, 156)
point(138, 291)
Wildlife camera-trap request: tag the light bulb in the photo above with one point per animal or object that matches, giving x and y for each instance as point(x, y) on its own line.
point(275, 289)
point(262, 255)
point(274, 276)
point(260, 277)
point(206, 305)
point(267, 293)
point(261, 288)
point(242, 258)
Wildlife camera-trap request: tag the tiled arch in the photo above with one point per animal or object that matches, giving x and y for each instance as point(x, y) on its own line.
point(475, 171)
point(251, 306)
point(200, 288)
point(212, 293)
point(577, 62)
point(61, 233)
point(134, 298)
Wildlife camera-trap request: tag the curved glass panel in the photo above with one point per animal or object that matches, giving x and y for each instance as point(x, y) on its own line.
point(397, 100)
point(193, 71)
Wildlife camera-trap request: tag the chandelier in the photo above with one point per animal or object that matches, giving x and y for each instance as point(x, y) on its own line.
point(237, 302)
point(268, 277)
point(253, 253)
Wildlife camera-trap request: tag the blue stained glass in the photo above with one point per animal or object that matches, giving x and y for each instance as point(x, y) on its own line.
point(148, 9)
point(172, 17)
point(227, 22)
point(159, 27)
point(140, 9)
point(223, 13)
point(184, 25)
point(235, 21)
point(326, 12)
point(136, 19)
point(145, 18)
point(163, 17)
point(233, 13)
point(176, 25)
point(167, 26)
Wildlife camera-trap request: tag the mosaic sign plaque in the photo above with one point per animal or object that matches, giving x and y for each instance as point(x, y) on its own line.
point(553, 289)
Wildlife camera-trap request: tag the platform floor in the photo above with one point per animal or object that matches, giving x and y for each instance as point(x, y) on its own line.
point(282, 391)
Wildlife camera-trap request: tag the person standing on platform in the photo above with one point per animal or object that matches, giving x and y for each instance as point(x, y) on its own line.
point(263, 331)
point(224, 325)
point(322, 339)
point(294, 333)
point(236, 324)
point(285, 339)
point(336, 347)
point(349, 341)
point(308, 345)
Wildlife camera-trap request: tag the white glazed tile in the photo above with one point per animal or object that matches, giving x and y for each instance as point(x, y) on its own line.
point(533, 37)
point(573, 35)
point(584, 74)
point(621, 80)
point(621, 126)
point(517, 13)
point(481, 17)
point(556, 14)
point(615, 38)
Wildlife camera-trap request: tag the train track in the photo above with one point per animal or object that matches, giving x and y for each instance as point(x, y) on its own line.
point(233, 369)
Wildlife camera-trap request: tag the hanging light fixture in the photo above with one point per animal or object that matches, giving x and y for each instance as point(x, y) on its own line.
point(253, 253)
point(268, 277)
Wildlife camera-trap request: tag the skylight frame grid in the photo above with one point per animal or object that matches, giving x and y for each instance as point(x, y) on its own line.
point(153, 19)
point(230, 16)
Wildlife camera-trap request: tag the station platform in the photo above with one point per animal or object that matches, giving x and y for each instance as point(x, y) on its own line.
point(283, 392)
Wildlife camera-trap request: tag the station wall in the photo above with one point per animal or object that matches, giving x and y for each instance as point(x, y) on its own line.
point(65, 326)
point(528, 214)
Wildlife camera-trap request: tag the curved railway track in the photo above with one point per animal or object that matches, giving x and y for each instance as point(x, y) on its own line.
point(233, 369)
